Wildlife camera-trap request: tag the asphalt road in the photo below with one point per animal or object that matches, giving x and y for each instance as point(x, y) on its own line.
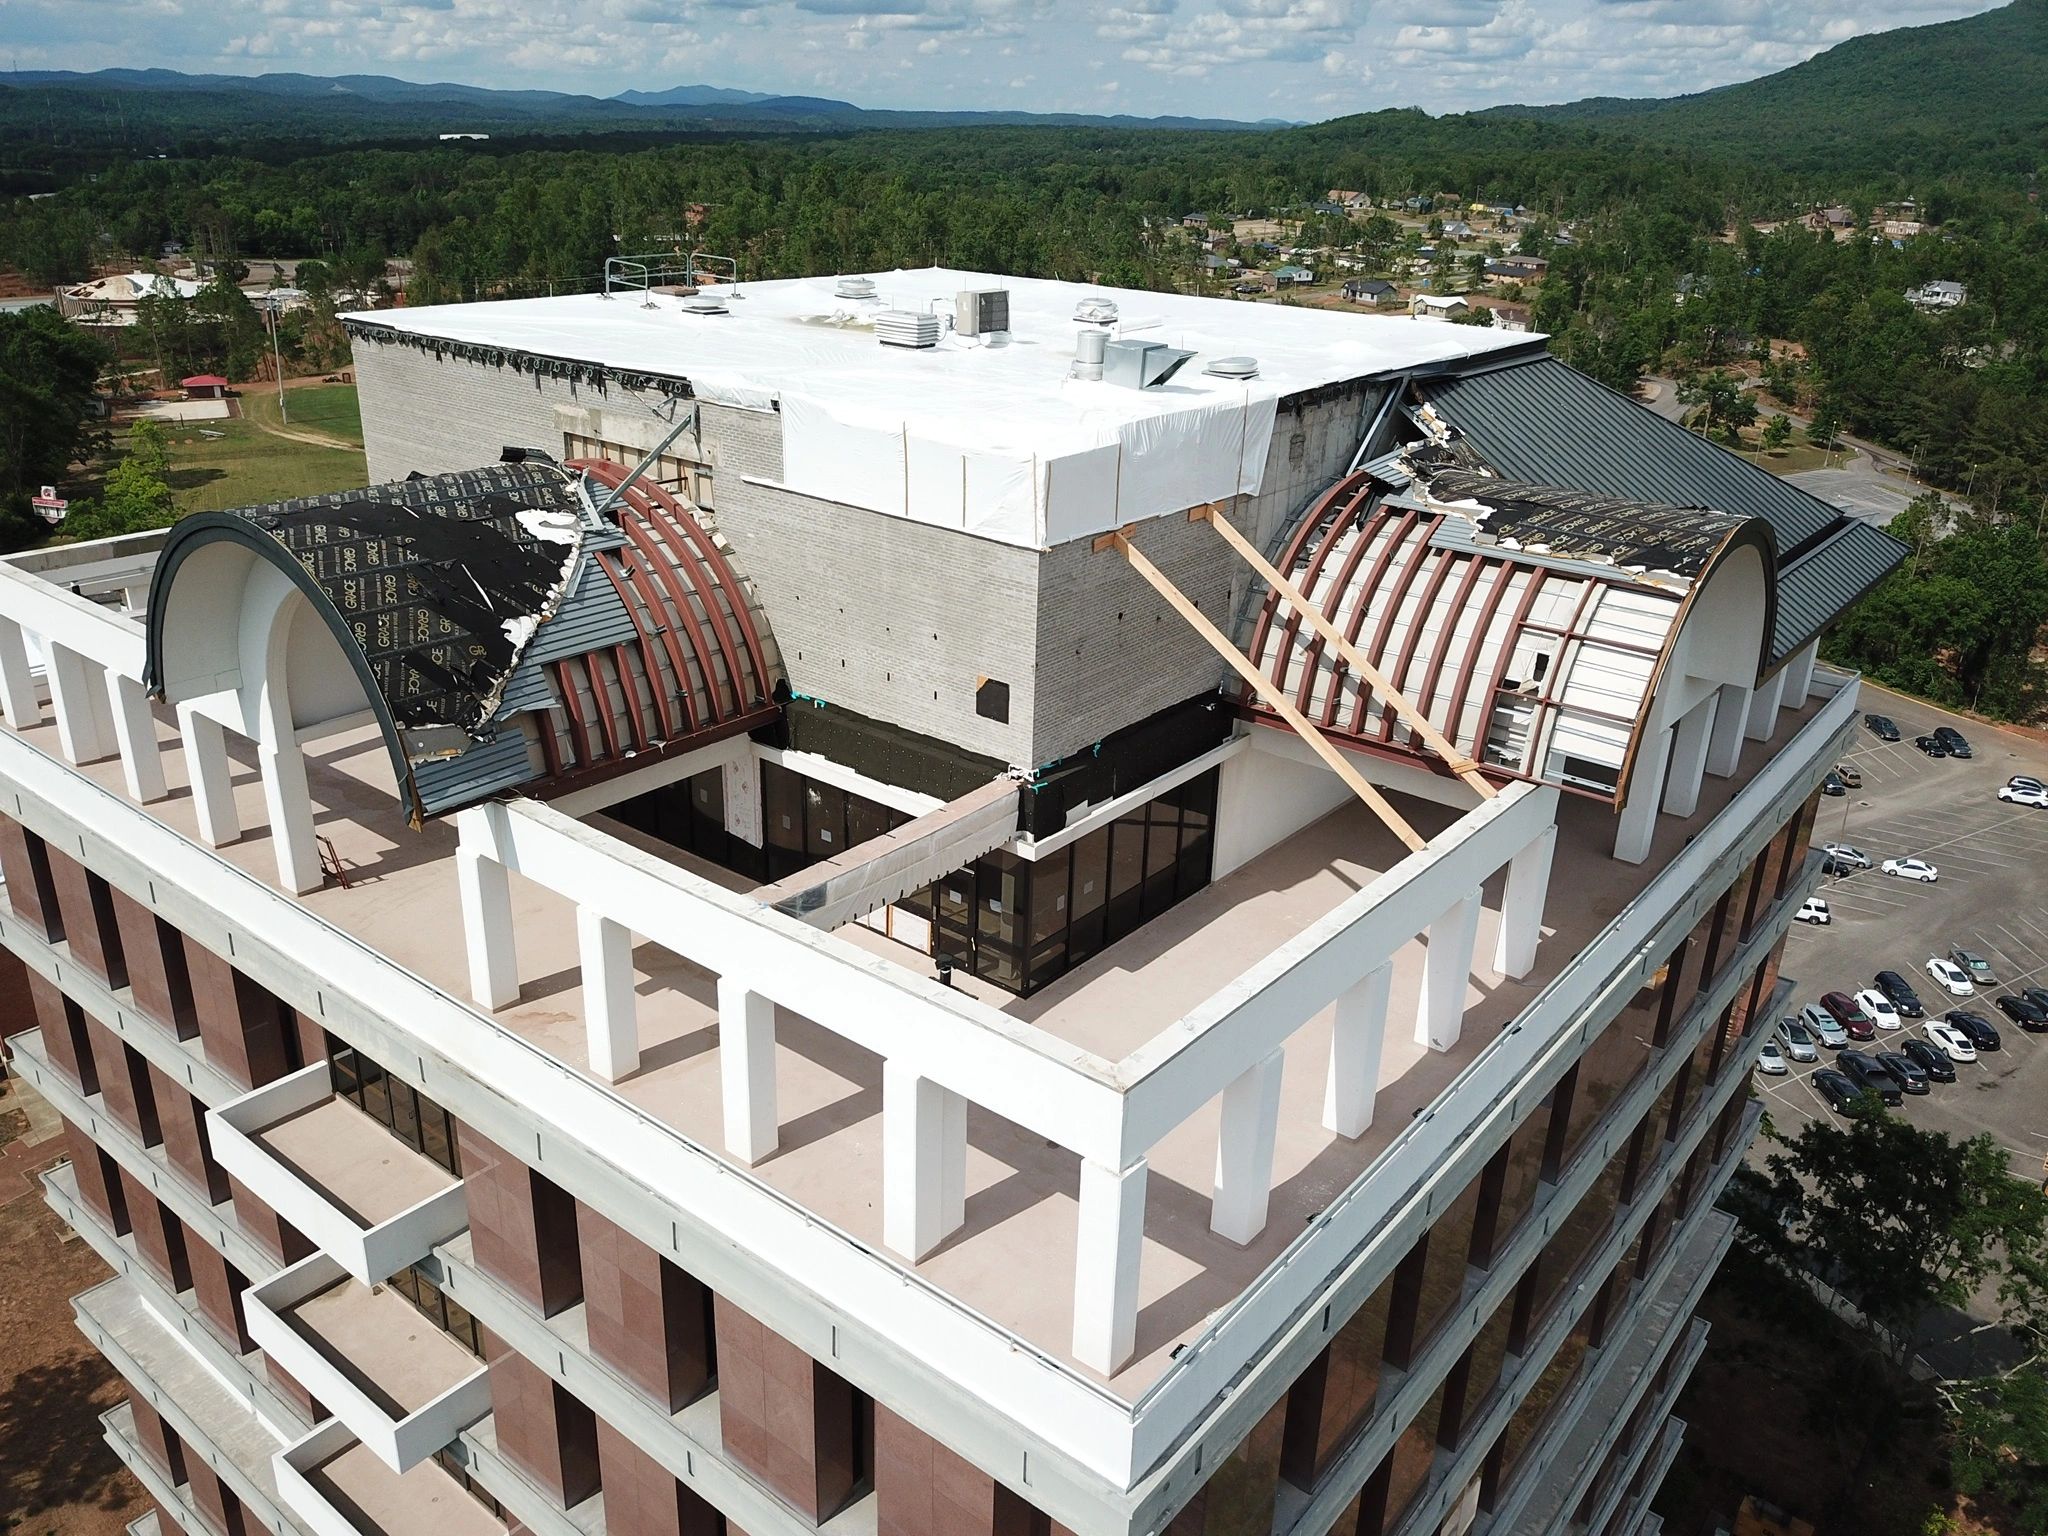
point(1992, 897)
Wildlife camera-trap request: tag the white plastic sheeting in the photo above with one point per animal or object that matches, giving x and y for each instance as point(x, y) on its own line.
point(993, 439)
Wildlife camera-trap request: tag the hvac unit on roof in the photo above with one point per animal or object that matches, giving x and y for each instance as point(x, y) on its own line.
point(981, 311)
point(907, 328)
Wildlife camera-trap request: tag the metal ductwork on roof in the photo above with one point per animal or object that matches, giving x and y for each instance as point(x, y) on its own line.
point(1141, 364)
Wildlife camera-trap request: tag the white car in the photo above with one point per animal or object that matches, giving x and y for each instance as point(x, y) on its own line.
point(1770, 1062)
point(1879, 1007)
point(1813, 910)
point(1949, 977)
point(1951, 1042)
point(1912, 869)
point(2024, 794)
point(1843, 853)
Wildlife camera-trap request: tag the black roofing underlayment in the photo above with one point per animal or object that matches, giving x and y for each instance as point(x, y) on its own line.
point(433, 578)
point(1633, 534)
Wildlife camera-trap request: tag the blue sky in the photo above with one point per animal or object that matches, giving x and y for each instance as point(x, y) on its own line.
point(1302, 59)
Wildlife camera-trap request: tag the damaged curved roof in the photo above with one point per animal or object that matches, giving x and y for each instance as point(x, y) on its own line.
point(507, 634)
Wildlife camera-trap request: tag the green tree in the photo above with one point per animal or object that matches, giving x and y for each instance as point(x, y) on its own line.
point(1777, 433)
point(49, 380)
point(136, 496)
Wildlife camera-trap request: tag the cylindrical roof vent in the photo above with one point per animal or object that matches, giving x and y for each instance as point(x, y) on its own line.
point(1089, 348)
point(854, 288)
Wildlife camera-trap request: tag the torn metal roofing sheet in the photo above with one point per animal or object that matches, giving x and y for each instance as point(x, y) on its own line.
point(1633, 536)
point(1546, 422)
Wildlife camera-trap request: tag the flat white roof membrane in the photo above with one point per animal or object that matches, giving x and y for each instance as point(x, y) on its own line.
point(990, 436)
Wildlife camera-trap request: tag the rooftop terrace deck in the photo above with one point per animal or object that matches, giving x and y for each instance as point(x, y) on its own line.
point(1020, 1223)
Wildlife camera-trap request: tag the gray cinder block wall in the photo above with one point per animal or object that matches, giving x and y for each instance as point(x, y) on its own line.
point(896, 620)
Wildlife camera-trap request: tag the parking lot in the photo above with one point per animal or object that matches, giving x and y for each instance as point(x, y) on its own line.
point(1992, 897)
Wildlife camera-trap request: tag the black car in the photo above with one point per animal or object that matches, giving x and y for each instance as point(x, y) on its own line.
point(1833, 785)
point(1904, 1070)
point(1866, 1072)
point(2025, 1012)
point(1838, 1088)
point(1881, 727)
point(2038, 996)
point(1980, 1031)
point(1901, 994)
point(1952, 740)
point(1931, 745)
point(1934, 1063)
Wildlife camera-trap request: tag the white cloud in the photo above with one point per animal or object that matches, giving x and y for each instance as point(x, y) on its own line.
point(1254, 57)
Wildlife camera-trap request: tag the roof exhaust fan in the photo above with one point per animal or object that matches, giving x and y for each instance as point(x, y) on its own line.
point(1141, 364)
point(1094, 309)
point(854, 288)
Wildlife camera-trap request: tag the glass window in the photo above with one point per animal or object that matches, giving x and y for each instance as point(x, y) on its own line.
point(1618, 1055)
point(1162, 854)
point(1446, 1256)
point(824, 820)
point(405, 1115)
point(1524, 1172)
point(376, 1090)
point(1550, 1389)
point(1412, 1458)
point(867, 820)
point(1049, 910)
point(1089, 932)
point(1126, 872)
point(1238, 1498)
point(1484, 1361)
point(1347, 1381)
point(1197, 824)
point(1578, 1235)
point(782, 820)
point(347, 1077)
point(1001, 898)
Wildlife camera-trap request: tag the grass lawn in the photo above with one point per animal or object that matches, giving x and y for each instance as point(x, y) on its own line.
point(328, 408)
point(245, 465)
point(1797, 460)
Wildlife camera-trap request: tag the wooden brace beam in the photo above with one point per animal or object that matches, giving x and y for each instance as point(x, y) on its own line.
point(1463, 766)
point(1334, 759)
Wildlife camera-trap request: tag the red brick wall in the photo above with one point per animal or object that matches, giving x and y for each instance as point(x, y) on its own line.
point(643, 1498)
point(790, 1421)
point(647, 1319)
point(522, 1227)
point(543, 1430)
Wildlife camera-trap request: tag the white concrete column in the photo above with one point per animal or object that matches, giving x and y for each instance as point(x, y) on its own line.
point(609, 1021)
point(1243, 1184)
point(1689, 758)
point(1799, 675)
point(1356, 1039)
point(746, 1066)
point(1521, 909)
point(1763, 707)
point(740, 783)
point(19, 703)
point(1109, 1242)
point(1637, 823)
point(142, 760)
point(210, 774)
point(1724, 742)
point(289, 806)
point(924, 1160)
point(486, 890)
point(79, 699)
point(1446, 972)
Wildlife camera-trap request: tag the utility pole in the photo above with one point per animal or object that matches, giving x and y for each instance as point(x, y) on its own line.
point(277, 354)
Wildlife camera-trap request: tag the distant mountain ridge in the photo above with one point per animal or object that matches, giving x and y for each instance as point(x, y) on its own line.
point(380, 103)
point(1939, 94)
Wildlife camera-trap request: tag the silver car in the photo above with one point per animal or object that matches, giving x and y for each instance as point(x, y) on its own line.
point(1796, 1040)
point(1825, 1026)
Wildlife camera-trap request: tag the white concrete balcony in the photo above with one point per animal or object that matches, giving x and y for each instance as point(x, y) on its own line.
point(403, 1387)
point(363, 1197)
point(335, 1485)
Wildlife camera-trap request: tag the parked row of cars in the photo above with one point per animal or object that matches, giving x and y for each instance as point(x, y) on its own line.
point(1847, 859)
point(1942, 741)
point(1841, 1020)
point(2024, 789)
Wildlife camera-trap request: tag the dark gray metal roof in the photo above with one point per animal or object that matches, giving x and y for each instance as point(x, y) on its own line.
point(591, 616)
point(1820, 584)
point(1545, 421)
point(487, 768)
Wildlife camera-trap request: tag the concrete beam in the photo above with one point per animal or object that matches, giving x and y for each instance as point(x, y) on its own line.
point(19, 703)
point(924, 1161)
point(1109, 1244)
point(1689, 758)
point(79, 699)
point(746, 1066)
point(610, 1019)
point(1243, 1185)
point(142, 760)
point(1763, 707)
point(1446, 972)
point(1356, 1042)
point(486, 891)
point(1724, 742)
point(1637, 823)
point(1521, 915)
point(211, 776)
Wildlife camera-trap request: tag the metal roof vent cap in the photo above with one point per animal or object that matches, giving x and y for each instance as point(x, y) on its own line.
point(705, 304)
point(1233, 368)
point(1095, 309)
point(854, 288)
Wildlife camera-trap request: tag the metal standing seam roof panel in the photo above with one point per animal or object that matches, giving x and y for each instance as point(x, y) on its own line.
point(1820, 584)
point(487, 768)
point(1546, 422)
point(590, 618)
